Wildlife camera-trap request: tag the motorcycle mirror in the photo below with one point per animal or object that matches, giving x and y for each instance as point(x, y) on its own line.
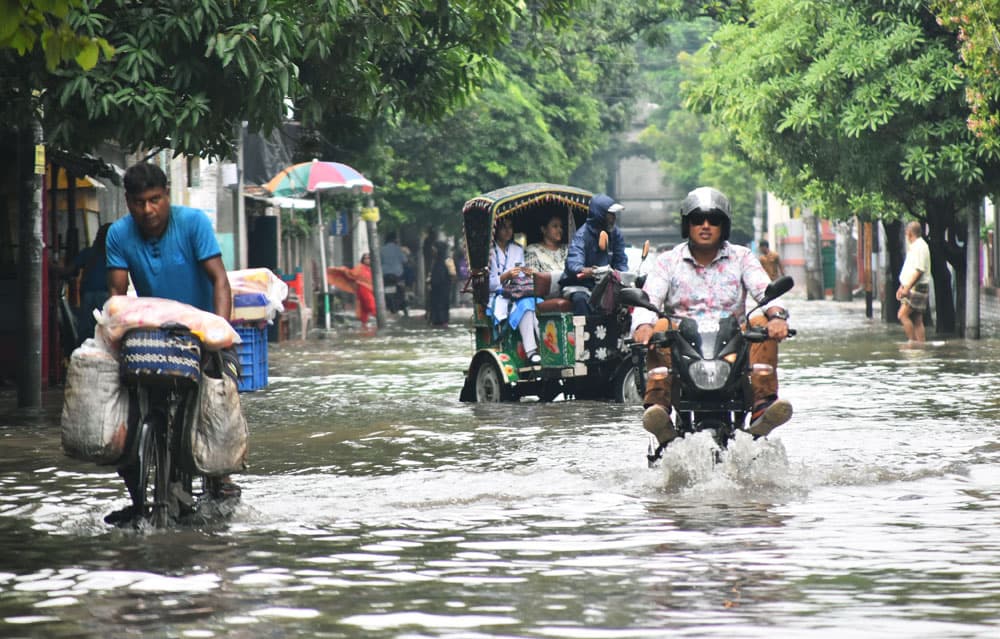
point(636, 297)
point(602, 240)
point(645, 249)
point(778, 287)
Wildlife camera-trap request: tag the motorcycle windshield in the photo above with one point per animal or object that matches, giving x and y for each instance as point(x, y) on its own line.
point(709, 334)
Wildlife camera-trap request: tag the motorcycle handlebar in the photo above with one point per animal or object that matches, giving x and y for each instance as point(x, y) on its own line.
point(752, 334)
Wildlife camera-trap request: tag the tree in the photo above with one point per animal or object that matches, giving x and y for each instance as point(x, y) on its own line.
point(853, 107)
point(554, 100)
point(691, 150)
point(186, 73)
point(975, 26)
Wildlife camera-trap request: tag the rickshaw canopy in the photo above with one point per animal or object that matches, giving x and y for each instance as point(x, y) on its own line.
point(529, 206)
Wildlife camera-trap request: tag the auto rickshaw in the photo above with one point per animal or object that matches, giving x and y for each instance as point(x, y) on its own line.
point(581, 357)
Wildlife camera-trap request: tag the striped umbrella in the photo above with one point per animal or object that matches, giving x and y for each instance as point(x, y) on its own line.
point(308, 177)
point(317, 177)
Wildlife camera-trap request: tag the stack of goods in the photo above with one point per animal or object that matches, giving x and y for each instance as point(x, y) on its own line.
point(122, 313)
point(258, 294)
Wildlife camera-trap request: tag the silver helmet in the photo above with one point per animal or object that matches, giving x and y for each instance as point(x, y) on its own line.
point(706, 200)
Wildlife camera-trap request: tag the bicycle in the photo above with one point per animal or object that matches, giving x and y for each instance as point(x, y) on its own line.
point(163, 369)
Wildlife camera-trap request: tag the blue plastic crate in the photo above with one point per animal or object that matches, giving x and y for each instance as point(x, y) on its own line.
point(253, 357)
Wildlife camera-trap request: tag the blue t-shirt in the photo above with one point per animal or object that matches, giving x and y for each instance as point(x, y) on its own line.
point(169, 266)
point(94, 275)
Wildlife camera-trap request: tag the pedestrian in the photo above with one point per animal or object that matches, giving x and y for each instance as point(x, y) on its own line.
point(442, 273)
point(365, 296)
point(914, 284)
point(462, 273)
point(171, 252)
point(770, 260)
point(393, 263)
point(358, 282)
point(707, 277)
point(90, 265)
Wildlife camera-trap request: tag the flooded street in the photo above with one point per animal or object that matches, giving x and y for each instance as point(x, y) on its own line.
point(378, 505)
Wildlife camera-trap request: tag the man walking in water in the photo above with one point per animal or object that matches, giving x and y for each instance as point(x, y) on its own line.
point(770, 260)
point(914, 284)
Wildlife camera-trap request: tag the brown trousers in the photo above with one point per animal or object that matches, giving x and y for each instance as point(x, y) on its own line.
point(763, 365)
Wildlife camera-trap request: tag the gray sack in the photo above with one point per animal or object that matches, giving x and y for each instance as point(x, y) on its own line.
point(95, 406)
point(217, 441)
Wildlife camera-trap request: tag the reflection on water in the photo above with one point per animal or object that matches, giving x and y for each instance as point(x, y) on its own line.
point(377, 505)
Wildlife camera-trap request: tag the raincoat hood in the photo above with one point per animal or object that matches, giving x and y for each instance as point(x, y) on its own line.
point(600, 206)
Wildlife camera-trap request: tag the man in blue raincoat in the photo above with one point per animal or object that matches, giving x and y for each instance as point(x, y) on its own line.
point(585, 252)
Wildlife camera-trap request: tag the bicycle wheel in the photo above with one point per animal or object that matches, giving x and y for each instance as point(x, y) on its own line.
point(151, 497)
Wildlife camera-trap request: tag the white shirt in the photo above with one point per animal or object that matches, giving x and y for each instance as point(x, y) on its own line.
point(918, 258)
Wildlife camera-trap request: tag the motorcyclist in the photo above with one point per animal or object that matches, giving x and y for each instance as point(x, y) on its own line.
point(709, 277)
point(585, 252)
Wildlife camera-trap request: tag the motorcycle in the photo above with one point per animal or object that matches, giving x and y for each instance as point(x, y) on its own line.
point(710, 362)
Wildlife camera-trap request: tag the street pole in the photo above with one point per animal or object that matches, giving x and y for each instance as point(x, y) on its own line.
point(867, 260)
point(322, 263)
point(370, 215)
point(972, 276)
point(31, 168)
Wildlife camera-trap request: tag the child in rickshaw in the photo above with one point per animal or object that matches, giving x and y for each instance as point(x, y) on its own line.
point(512, 286)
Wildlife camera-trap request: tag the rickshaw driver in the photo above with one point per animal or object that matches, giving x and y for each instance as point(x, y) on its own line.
point(708, 275)
point(585, 252)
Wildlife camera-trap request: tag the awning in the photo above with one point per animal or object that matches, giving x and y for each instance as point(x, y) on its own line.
point(85, 182)
point(259, 194)
point(291, 202)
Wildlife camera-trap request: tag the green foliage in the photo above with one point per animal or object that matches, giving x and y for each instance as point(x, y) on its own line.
point(188, 72)
point(977, 32)
point(691, 150)
point(25, 23)
point(842, 103)
point(551, 104)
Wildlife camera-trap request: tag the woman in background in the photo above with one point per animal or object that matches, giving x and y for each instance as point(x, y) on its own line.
point(442, 273)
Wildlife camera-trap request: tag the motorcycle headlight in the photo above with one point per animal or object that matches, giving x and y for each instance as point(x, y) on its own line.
point(709, 374)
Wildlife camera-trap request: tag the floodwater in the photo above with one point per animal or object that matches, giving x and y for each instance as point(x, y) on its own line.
point(377, 505)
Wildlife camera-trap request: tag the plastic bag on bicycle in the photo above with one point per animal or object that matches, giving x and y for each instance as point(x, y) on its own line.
point(217, 441)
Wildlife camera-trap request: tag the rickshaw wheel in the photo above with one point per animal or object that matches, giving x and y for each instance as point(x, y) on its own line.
point(625, 389)
point(490, 387)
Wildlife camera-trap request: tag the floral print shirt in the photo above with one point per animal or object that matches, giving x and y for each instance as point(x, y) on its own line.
point(541, 258)
point(685, 288)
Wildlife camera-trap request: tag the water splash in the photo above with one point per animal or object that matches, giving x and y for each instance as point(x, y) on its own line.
point(696, 465)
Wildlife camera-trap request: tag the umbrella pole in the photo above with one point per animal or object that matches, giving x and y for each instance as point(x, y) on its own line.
point(322, 261)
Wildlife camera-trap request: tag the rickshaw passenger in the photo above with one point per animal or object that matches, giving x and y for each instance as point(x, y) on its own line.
point(506, 265)
point(585, 252)
point(549, 255)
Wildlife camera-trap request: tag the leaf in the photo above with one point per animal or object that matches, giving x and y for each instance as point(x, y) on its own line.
point(87, 58)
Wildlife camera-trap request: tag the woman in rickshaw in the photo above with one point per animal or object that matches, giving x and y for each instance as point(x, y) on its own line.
point(512, 289)
point(549, 255)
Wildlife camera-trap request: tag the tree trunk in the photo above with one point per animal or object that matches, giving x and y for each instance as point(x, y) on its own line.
point(844, 289)
point(30, 265)
point(894, 249)
point(942, 232)
point(813, 255)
